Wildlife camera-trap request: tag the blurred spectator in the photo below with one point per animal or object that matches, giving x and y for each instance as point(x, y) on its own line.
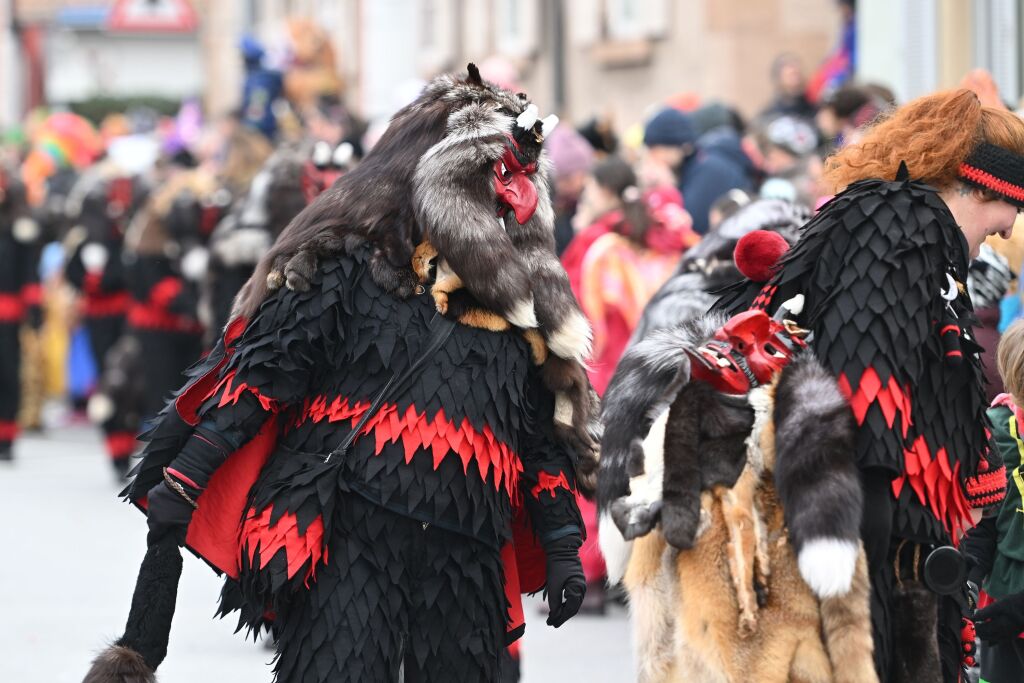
point(571, 158)
point(726, 206)
point(789, 146)
point(988, 280)
point(627, 244)
point(599, 132)
point(790, 86)
point(835, 117)
point(841, 64)
point(261, 89)
point(704, 169)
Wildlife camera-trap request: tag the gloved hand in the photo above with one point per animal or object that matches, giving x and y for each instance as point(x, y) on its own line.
point(168, 513)
point(566, 584)
point(1002, 620)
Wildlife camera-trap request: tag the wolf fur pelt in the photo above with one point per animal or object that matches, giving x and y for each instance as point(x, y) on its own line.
point(773, 585)
point(430, 178)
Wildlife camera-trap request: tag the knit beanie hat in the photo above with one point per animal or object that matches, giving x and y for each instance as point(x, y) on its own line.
point(569, 152)
point(669, 128)
point(996, 169)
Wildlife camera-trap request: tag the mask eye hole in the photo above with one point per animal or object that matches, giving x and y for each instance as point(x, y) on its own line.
point(772, 351)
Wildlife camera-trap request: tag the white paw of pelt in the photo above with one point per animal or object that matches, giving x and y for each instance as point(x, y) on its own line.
point(827, 565)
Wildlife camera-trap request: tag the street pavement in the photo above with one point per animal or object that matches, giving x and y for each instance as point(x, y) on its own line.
point(69, 553)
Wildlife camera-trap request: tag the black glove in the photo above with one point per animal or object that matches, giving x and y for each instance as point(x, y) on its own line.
point(1001, 621)
point(566, 584)
point(168, 513)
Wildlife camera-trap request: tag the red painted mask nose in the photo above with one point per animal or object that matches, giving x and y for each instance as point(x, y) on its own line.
point(518, 192)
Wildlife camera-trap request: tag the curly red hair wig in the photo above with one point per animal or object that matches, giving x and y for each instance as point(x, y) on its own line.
point(932, 134)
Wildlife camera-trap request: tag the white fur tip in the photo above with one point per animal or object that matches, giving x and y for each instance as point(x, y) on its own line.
point(528, 117)
point(548, 124)
point(795, 306)
point(572, 338)
point(523, 315)
point(99, 409)
point(94, 257)
point(25, 230)
point(827, 565)
point(193, 265)
point(614, 547)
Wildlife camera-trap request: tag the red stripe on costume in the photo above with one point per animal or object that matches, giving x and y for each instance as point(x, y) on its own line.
point(8, 430)
point(32, 294)
point(440, 435)
point(165, 290)
point(120, 444)
point(148, 317)
point(182, 477)
point(936, 486)
point(257, 532)
point(550, 482)
point(988, 486)
point(991, 182)
point(232, 393)
point(102, 305)
point(892, 398)
point(12, 309)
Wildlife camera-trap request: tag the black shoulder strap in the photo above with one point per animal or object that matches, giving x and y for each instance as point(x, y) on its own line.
point(440, 329)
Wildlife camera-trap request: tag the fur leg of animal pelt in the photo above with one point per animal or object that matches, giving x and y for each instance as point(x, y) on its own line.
point(454, 199)
point(563, 324)
point(650, 580)
point(118, 664)
point(738, 511)
point(846, 626)
point(915, 645)
point(680, 504)
point(646, 381)
point(816, 475)
point(576, 416)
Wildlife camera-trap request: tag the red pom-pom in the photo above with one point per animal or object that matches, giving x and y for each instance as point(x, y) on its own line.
point(757, 253)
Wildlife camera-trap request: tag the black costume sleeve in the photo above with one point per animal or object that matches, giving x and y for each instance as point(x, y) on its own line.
point(549, 473)
point(979, 545)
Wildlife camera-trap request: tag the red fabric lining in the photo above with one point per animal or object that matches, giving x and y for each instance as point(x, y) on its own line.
point(991, 182)
point(232, 393)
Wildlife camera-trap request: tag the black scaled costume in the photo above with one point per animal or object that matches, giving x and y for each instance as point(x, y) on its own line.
point(20, 298)
point(881, 268)
point(101, 203)
point(410, 546)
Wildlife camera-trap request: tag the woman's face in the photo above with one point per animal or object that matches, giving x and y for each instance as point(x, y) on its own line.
point(979, 217)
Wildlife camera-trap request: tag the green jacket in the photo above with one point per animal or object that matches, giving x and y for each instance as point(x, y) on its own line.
point(1007, 574)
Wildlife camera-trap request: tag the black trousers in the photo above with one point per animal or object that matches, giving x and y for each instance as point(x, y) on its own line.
point(165, 356)
point(10, 380)
point(1003, 662)
point(395, 595)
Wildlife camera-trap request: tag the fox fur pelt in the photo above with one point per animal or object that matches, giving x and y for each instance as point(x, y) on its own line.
point(772, 585)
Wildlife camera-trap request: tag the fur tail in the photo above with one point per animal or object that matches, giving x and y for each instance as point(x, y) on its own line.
point(118, 664)
point(646, 382)
point(846, 627)
point(816, 475)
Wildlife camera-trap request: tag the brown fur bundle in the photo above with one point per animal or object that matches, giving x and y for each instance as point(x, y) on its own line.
point(119, 664)
point(735, 606)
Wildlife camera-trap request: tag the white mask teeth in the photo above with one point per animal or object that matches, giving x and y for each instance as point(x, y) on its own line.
point(343, 154)
point(321, 153)
point(548, 124)
point(528, 117)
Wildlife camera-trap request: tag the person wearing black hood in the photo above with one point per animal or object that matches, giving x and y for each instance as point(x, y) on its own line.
point(790, 85)
point(705, 169)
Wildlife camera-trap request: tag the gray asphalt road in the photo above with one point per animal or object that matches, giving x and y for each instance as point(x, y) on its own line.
point(69, 552)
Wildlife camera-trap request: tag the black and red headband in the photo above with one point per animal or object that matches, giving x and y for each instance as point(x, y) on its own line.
point(996, 169)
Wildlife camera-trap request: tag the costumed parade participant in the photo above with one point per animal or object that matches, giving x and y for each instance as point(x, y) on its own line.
point(291, 178)
point(101, 204)
point(383, 451)
point(880, 270)
point(20, 299)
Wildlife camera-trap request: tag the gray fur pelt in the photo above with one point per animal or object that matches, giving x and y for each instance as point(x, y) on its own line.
point(646, 382)
point(815, 466)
